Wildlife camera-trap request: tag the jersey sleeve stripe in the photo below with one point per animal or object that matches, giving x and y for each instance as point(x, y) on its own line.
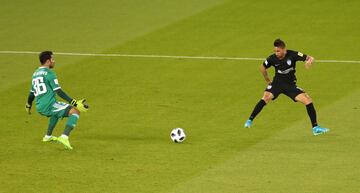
point(57, 88)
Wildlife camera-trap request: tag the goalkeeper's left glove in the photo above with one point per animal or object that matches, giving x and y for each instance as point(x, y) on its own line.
point(80, 104)
point(28, 108)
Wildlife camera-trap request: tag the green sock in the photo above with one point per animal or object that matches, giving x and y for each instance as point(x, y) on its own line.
point(52, 123)
point(71, 123)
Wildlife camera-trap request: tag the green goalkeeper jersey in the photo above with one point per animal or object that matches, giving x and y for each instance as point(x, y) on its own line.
point(44, 84)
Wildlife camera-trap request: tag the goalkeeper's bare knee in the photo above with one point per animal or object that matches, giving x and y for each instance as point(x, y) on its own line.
point(74, 111)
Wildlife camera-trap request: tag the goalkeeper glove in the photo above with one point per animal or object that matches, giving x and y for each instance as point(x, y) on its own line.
point(80, 104)
point(28, 108)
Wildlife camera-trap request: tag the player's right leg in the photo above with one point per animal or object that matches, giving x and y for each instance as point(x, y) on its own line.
point(73, 116)
point(52, 123)
point(267, 97)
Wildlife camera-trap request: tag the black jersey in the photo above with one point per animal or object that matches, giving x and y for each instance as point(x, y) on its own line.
point(285, 68)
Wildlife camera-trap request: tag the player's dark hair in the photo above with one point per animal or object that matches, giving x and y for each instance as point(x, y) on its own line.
point(44, 56)
point(279, 43)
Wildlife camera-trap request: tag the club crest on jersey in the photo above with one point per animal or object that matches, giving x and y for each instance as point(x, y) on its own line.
point(288, 62)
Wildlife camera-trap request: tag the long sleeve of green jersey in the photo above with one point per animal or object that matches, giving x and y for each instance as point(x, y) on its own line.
point(63, 95)
point(31, 98)
point(54, 84)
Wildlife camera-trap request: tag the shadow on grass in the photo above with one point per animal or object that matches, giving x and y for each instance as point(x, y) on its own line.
point(120, 137)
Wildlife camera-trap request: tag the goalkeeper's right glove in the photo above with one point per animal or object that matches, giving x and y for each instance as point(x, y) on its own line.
point(80, 105)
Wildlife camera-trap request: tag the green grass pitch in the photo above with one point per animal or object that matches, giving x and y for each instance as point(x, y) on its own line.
point(122, 144)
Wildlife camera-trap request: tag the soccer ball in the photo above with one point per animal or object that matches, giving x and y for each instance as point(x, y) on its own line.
point(177, 135)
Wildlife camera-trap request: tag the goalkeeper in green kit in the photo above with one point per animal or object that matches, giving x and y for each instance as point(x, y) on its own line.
point(44, 88)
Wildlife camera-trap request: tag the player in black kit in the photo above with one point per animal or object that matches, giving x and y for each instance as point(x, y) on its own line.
point(284, 82)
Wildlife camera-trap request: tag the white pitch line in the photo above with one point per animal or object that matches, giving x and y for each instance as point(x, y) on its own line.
point(167, 56)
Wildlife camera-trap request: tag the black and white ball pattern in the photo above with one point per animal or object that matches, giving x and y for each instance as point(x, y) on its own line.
point(178, 135)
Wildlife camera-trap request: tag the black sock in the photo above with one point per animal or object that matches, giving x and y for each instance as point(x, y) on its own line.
point(259, 106)
point(312, 114)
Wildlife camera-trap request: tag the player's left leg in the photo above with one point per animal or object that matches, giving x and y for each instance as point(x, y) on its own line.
point(307, 101)
point(74, 115)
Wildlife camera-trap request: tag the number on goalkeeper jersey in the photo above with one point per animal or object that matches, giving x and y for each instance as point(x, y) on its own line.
point(39, 86)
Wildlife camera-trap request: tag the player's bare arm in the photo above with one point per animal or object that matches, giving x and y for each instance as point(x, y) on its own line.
point(264, 72)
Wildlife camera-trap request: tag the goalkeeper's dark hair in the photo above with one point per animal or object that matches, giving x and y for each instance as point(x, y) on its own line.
point(279, 43)
point(44, 56)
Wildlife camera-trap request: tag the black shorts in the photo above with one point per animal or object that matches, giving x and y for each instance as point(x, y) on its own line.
point(290, 90)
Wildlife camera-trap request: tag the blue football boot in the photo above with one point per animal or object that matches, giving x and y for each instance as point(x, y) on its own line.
point(248, 123)
point(319, 130)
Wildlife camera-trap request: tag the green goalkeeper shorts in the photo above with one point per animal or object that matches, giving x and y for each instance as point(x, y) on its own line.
point(57, 109)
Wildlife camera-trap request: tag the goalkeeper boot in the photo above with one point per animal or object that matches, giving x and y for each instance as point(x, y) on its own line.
point(49, 138)
point(63, 139)
point(248, 123)
point(319, 130)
